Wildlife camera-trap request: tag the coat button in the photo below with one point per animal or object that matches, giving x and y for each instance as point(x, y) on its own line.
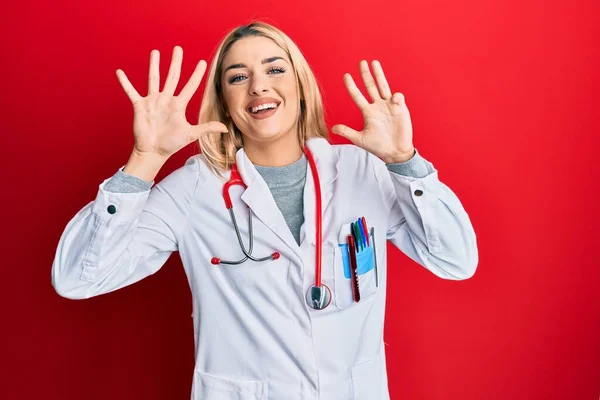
point(418, 192)
point(111, 209)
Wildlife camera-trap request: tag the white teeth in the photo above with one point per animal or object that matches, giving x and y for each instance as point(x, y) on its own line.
point(263, 106)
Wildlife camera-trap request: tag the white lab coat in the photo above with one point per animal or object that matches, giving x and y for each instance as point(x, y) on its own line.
point(255, 336)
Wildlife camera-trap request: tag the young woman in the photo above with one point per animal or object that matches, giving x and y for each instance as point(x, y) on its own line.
point(289, 285)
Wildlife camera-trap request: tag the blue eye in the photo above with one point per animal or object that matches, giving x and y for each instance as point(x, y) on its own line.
point(273, 71)
point(279, 70)
point(235, 78)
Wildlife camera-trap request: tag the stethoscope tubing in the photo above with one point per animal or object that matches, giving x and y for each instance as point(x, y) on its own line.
point(318, 295)
point(318, 217)
point(247, 253)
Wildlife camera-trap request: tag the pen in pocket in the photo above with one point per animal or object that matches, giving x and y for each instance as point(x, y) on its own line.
point(363, 233)
point(353, 233)
point(364, 225)
point(375, 257)
point(358, 237)
point(353, 267)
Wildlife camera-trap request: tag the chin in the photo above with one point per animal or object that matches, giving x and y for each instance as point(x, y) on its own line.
point(270, 134)
point(265, 137)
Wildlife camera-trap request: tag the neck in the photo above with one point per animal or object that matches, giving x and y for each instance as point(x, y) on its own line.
point(277, 153)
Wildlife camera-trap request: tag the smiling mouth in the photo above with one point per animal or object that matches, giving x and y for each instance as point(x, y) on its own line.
point(263, 108)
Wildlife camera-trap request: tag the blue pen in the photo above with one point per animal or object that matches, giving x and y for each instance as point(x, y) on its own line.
point(363, 234)
point(359, 236)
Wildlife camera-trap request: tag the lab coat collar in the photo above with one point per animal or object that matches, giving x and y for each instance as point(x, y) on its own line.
point(260, 200)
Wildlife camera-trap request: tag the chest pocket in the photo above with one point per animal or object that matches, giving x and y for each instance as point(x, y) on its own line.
point(367, 270)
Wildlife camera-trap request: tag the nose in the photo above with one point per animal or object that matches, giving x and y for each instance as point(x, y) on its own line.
point(258, 85)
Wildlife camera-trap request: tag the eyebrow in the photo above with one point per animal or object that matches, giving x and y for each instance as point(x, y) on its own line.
point(265, 61)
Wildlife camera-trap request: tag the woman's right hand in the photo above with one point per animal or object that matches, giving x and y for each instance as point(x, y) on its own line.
point(160, 126)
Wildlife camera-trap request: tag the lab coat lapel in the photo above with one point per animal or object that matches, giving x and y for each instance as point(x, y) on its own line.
point(261, 202)
point(327, 165)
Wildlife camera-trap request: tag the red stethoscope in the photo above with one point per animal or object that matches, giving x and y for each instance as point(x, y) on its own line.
point(318, 295)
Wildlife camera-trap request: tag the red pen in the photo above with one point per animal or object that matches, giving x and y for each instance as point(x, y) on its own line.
point(353, 267)
point(364, 224)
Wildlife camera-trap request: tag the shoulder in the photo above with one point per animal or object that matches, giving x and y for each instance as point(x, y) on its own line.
point(182, 184)
point(358, 167)
point(195, 170)
point(352, 157)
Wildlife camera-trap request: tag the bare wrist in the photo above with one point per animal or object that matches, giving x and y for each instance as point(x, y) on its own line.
point(144, 165)
point(400, 157)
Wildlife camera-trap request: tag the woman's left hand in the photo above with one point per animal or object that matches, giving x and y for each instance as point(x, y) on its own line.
point(387, 131)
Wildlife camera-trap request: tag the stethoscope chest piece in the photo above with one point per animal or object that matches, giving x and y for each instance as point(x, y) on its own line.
point(318, 297)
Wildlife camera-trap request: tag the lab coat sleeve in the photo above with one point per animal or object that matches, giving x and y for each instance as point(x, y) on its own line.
point(121, 238)
point(428, 223)
point(122, 182)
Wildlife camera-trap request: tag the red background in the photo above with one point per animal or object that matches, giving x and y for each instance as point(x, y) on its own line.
point(504, 101)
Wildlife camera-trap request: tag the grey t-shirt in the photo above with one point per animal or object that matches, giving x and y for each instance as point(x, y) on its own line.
point(286, 184)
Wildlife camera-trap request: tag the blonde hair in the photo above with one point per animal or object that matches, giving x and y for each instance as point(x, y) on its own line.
point(220, 148)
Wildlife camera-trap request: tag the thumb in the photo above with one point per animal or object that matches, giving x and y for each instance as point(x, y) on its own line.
point(398, 98)
point(209, 127)
point(347, 132)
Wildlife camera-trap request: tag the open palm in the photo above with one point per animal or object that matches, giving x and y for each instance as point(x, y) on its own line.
point(159, 124)
point(387, 130)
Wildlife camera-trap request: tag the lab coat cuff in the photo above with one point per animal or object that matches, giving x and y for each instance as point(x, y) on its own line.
point(416, 167)
point(122, 182)
point(118, 208)
point(422, 194)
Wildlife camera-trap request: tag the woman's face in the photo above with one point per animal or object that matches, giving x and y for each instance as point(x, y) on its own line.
point(260, 91)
